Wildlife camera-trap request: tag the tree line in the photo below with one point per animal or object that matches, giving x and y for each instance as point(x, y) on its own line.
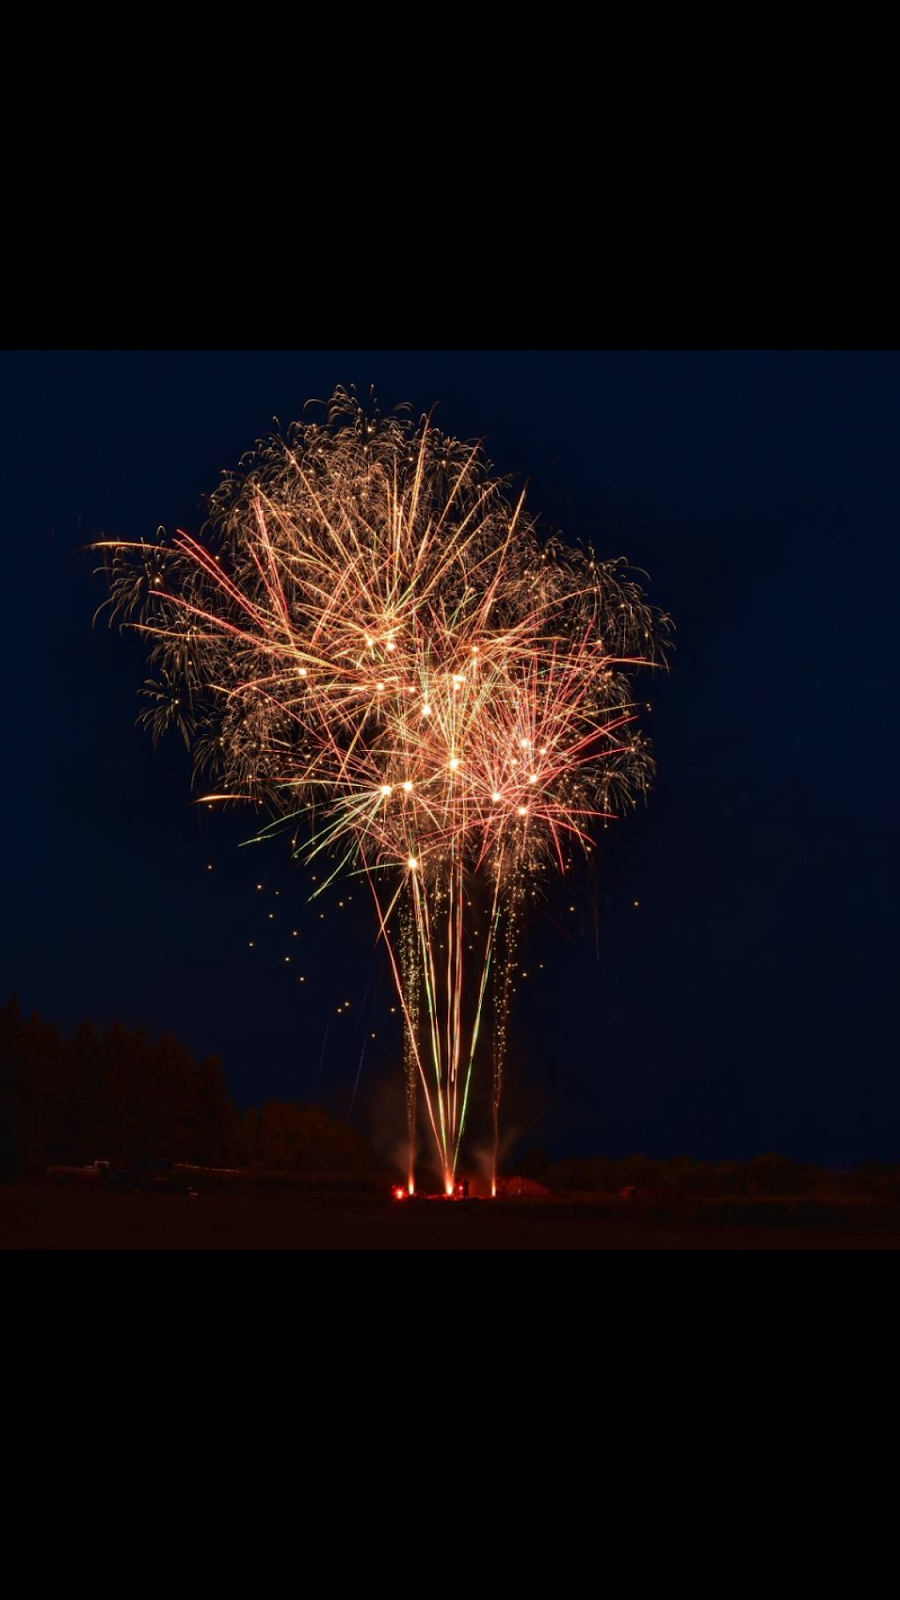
point(116, 1094)
point(765, 1175)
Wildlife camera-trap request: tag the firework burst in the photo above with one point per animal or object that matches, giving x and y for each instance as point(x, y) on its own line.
point(372, 640)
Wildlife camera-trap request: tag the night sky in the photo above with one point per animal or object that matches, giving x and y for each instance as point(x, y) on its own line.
point(747, 1002)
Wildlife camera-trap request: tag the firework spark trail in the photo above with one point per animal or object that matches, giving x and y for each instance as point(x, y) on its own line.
point(322, 1056)
point(372, 640)
point(363, 1023)
point(362, 1057)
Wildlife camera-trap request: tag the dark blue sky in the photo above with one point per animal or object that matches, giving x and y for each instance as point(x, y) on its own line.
point(747, 1003)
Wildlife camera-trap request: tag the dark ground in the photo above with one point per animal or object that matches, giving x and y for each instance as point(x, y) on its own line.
point(39, 1217)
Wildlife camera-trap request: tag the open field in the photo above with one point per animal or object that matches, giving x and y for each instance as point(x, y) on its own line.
point(41, 1217)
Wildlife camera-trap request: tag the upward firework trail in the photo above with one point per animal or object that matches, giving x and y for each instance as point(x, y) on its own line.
point(371, 638)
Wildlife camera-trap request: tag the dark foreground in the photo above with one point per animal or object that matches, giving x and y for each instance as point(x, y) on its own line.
point(43, 1218)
